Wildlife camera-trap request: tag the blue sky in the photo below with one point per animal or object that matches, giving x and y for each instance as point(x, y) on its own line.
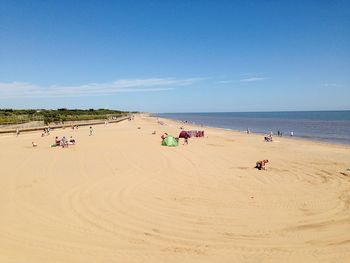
point(175, 56)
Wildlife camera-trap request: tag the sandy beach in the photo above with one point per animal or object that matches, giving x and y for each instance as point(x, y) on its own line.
point(119, 196)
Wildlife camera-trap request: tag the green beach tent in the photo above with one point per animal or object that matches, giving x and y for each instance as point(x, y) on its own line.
point(170, 141)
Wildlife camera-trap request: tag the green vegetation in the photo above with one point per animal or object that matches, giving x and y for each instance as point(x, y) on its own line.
point(11, 116)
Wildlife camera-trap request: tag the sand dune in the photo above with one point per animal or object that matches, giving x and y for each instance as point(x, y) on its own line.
point(118, 196)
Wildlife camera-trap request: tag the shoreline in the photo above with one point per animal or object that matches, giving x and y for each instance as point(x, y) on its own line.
point(295, 137)
point(289, 138)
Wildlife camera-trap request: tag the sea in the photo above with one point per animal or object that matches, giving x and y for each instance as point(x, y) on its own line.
point(328, 126)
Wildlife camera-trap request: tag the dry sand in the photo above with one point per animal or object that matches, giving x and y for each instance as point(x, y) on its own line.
point(118, 196)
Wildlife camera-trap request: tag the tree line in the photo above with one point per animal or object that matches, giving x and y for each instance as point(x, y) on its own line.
point(15, 116)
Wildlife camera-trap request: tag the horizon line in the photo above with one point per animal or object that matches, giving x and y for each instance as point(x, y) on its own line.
point(269, 111)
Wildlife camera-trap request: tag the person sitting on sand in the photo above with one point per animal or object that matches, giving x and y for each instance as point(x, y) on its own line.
point(261, 165)
point(64, 142)
point(154, 132)
point(186, 138)
point(34, 144)
point(57, 141)
point(164, 136)
point(72, 140)
point(268, 138)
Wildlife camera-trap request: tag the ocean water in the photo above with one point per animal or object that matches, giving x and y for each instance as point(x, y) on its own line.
point(329, 126)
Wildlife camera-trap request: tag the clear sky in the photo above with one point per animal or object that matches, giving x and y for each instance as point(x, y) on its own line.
point(175, 56)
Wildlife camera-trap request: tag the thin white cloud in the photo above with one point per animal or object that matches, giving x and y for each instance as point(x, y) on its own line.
point(145, 90)
point(247, 77)
point(226, 81)
point(28, 90)
point(248, 74)
point(330, 85)
point(252, 79)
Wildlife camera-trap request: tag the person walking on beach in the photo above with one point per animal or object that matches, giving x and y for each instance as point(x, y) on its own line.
point(291, 133)
point(186, 140)
point(91, 130)
point(17, 132)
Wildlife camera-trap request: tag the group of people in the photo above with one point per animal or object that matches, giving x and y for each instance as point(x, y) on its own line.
point(280, 134)
point(64, 142)
point(46, 131)
point(268, 138)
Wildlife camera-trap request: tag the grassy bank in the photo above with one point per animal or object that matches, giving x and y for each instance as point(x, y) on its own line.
point(12, 116)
